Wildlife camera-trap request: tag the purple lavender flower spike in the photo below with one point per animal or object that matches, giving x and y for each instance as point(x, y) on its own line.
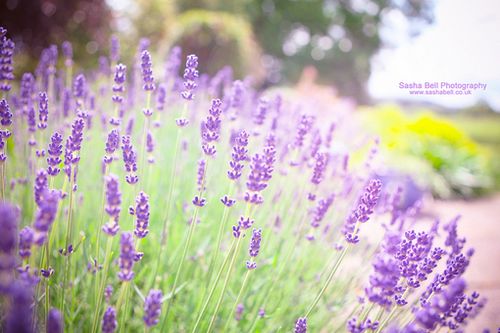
point(43, 110)
point(301, 325)
point(67, 50)
point(150, 147)
point(254, 247)
point(127, 257)
point(210, 129)
point(19, 318)
point(113, 205)
point(141, 213)
point(238, 155)
point(320, 210)
point(198, 201)
point(118, 93)
point(112, 145)
point(319, 167)
point(245, 223)
point(190, 76)
point(262, 313)
point(260, 173)
point(108, 292)
point(26, 236)
point(55, 322)
point(73, 146)
point(114, 49)
point(5, 114)
point(200, 181)
point(41, 186)
point(45, 215)
point(6, 68)
point(54, 152)
point(109, 322)
point(236, 231)
point(8, 239)
point(152, 307)
point(361, 214)
point(304, 127)
point(236, 98)
point(261, 112)
point(130, 160)
point(147, 72)
point(79, 88)
point(239, 311)
point(173, 64)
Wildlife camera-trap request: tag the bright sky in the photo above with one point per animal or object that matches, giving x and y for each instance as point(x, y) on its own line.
point(462, 45)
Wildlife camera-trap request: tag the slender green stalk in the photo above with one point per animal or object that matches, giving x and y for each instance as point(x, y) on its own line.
point(98, 240)
point(47, 287)
point(391, 314)
point(68, 240)
point(143, 142)
point(214, 286)
point(224, 286)
point(237, 301)
point(121, 298)
point(328, 280)
point(107, 261)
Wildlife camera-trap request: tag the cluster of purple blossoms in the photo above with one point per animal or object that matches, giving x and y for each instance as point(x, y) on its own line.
point(8, 243)
point(67, 51)
point(26, 238)
point(73, 146)
point(254, 247)
point(150, 147)
point(130, 160)
point(261, 112)
point(210, 129)
point(304, 127)
point(112, 145)
point(227, 201)
point(127, 257)
point(236, 98)
point(152, 307)
point(161, 97)
point(238, 155)
point(301, 325)
point(147, 71)
point(354, 327)
point(321, 209)
point(321, 161)
point(6, 68)
point(261, 170)
point(243, 224)
point(118, 92)
point(41, 186)
point(113, 205)
point(43, 110)
point(190, 76)
point(80, 90)
point(173, 64)
point(5, 121)
point(114, 49)
point(55, 322)
point(109, 322)
point(141, 212)
point(361, 214)
point(239, 311)
point(45, 215)
point(54, 154)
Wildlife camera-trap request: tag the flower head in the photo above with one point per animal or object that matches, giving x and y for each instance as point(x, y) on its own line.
point(152, 307)
point(109, 323)
point(190, 76)
point(141, 213)
point(55, 322)
point(147, 71)
point(301, 325)
point(54, 154)
point(113, 203)
point(43, 110)
point(127, 257)
point(130, 160)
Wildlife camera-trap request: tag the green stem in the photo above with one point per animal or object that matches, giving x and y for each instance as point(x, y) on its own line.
point(68, 239)
point(391, 314)
point(237, 301)
point(224, 286)
point(107, 259)
point(214, 286)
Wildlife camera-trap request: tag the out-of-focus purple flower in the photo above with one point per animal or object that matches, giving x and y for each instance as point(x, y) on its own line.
point(108, 292)
point(40, 186)
point(6, 64)
point(239, 312)
point(147, 71)
point(45, 215)
point(262, 313)
point(261, 169)
point(173, 64)
point(152, 307)
point(20, 315)
point(190, 76)
point(43, 110)
point(150, 147)
point(55, 322)
point(114, 50)
point(211, 127)
point(236, 97)
point(118, 91)
point(67, 50)
point(8, 238)
point(161, 96)
point(141, 212)
point(54, 151)
point(5, 114)
point(238, 155)
point(26, 236)
point(112, 145)
point(320, 210)
point(200, 181)
point(130, 160)
point(254, 248)
point(113, 205)
point(261, 112)
point(321, 160)
point(127, 257)
point(301, 325)
point(73, 146)
point(361, 214)
point(79, 88)
point(104, 66)
point(109, 323)
point(304, 126)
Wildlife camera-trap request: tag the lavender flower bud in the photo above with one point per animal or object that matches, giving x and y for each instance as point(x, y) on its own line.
point(109, 323)
point(238, 155)
point(301, 325)
point(26, 236)
point(45, 215)
point(130, 160)
point(54, 152)
point(6, 68)
point(147, 72)
point(113, 205)
point(127, 256)
point(55, 322)
point(190, 76)
point(239, 311)
point(43, 110)
point(152, 307)
point(141, 212)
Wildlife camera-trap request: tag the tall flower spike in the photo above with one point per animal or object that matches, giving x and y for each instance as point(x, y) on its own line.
point(321, 161)
point(127, 257)
point(55, 322)
point(141, 213)
point(54, 154)
point(152, 307)
point(26, 236)
point(238, 155)
point(113, 205)
point(147, 71)
point(130, 160)
point(190, 76)
point(254, 248)
point(114, 49)
point(41, 186)
point(301, 325)
point(150, 147)
point(45, 215)
point(211, 128)
point(261, 112)
point(112, 145)
point(6, 68)
point(43, 110)
point(67, 50)
point(109, 322)
point(118, 93)
point(73, 146)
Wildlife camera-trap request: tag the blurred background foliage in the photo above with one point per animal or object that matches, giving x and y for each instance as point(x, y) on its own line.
point(437, 153)
point(337, 36)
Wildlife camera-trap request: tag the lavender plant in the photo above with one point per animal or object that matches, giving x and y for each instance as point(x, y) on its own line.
point(264, 175)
